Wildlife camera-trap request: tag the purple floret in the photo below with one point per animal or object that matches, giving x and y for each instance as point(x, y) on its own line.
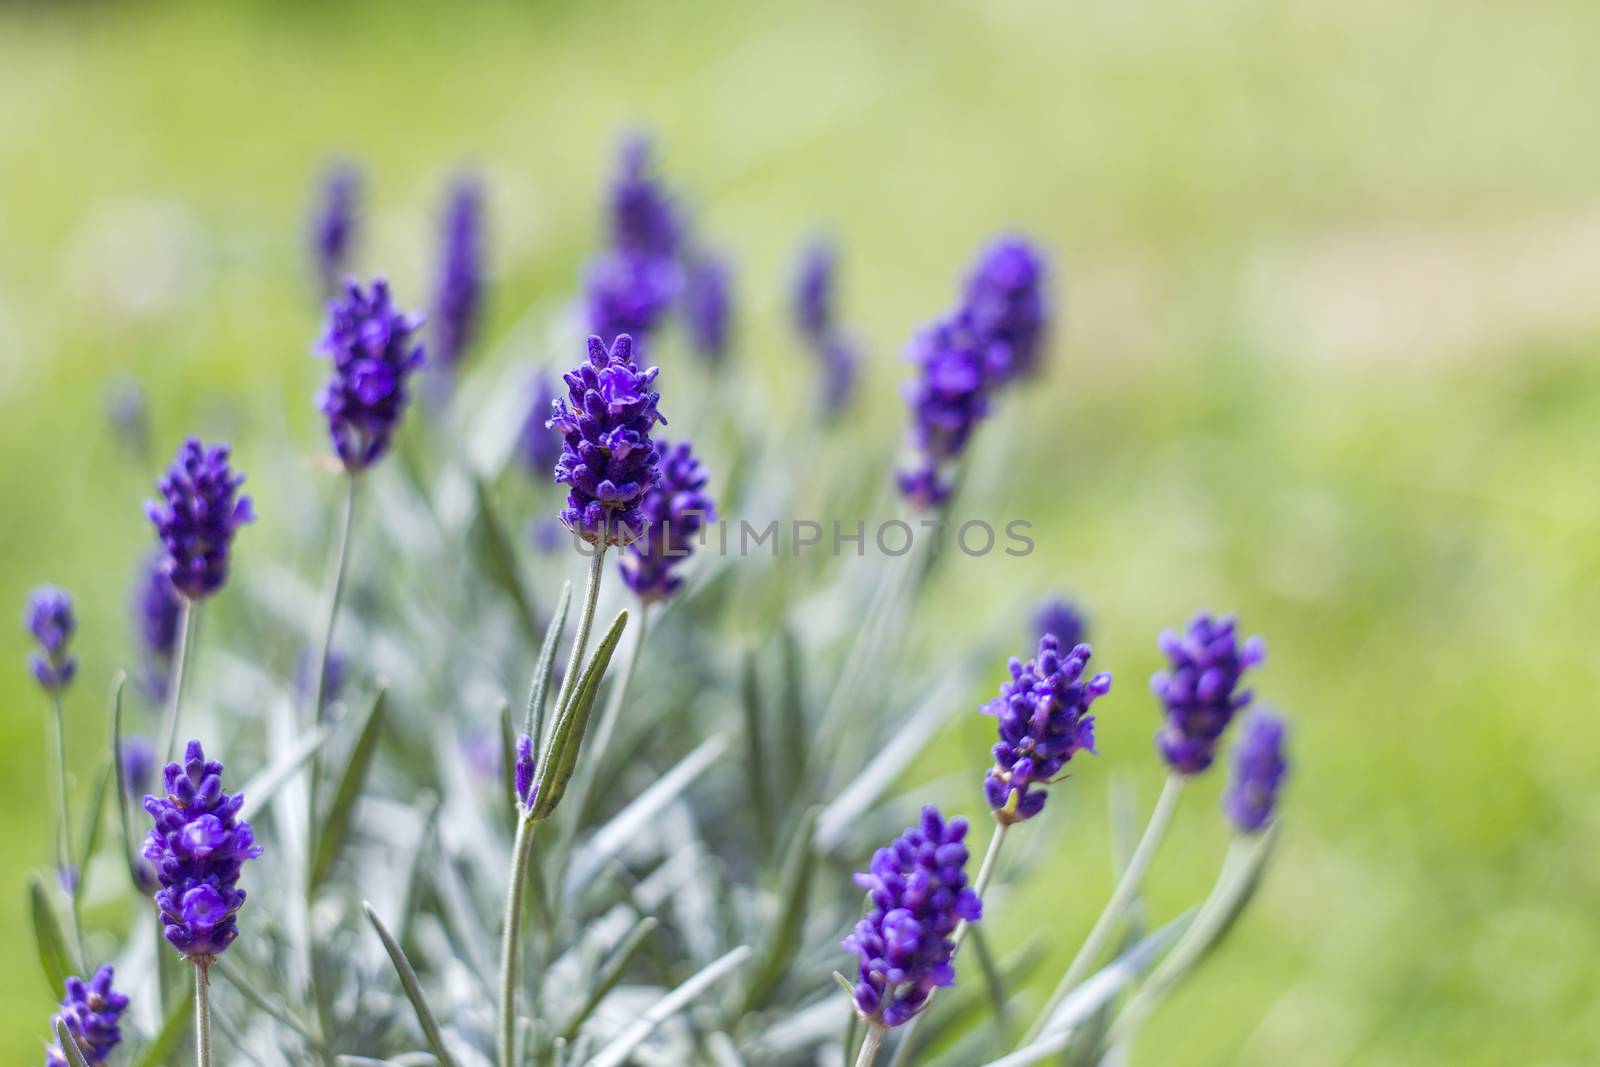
point(1259, 767)
point(374, 353)
point(51, 621)
point(1200, 692)
point(917, 894)
point(608, 460)
point(1063, 618)
point(197, 846)
point(1044, 720)
point(197, 517)
point(674, 510)
point(92, 1011)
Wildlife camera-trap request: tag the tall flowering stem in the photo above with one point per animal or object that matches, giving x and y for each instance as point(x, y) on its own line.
point(188, 620)
point(202, 1015)
point(318, 690)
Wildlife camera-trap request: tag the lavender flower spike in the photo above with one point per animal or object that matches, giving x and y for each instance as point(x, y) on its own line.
point(458, 301)
point(608, 461)
point(522, 771)
point(644, 220)
point(373, 353)
point(707, 303)
point(1259, 767)
point(157, 613)
point(138, 764)
point(1006, 301)
point(813, 292)
point(674, 511)
point(334, 224)
point(197, 518)
point(1044, 720)
point(627, 293)
point(917, 893)
point(1063, 618)
point(948, 398)
point(1200, 692)
point(51, 621)
point(92, 1011)
point(198, 845)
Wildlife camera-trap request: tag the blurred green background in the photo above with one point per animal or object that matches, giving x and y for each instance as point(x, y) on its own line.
point(1330, 358)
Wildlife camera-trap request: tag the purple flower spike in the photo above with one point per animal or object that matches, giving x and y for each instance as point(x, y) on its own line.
point(51, 621)
point(197, 846)
point(1063, 618)
point(334, 224)
point(707, 303)
point(948, 398)
point(138, 764)
point(628, 293)
point(1201, 691)
point(157, 612)
point(674, 511)
point(458, 301)
point(1044, 720)
point(197, 518)
point(813, 292)
point(539, 446)
point(523, 771)
point(644, 220)
point(374, 353)
point(92, 1011)
point(917, 893)
point(608, 461)
point(841, 364)
point(1005, 299)
point(1259, 767)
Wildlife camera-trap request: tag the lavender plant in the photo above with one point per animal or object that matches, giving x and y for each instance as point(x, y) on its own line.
point(501, 831)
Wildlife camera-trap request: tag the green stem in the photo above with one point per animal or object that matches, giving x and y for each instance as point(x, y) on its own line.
point(202, 1014)
point(188, 612)
point(580, 642)
point(335, 593)
point(1121, 897)
point(521, 850)
point(870, 1045)
point(65, 875)
point(980, 884)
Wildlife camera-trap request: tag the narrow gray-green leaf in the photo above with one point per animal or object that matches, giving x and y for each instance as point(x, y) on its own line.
point(247, 989)
point(508, 762)
point(794, 726)
point(501, 560)
point(130, 842)
point(566, 739)
point(617, 1052)
point(412, 987)
point(69, 1045)
point(992, 981)
point(174, 1028)
point(755, 762)
point(335, 826)
point(262, 786)
point(610, 974)
point(93, 820)
point(53, 955)
point(783, 936)
point(533, 721)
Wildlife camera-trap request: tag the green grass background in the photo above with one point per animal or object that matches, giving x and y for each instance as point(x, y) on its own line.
point(1331, 358)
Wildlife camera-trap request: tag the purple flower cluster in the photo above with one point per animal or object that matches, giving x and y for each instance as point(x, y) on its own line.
point(522, 781)
point(992, 337)
point(197, 517)
point(674, 510)
point(333, 225)
point(1200, 690)
point(631, 285)
point(1044, 720)
point(51, 621)
point(707, 304)
point(1259, 766)
point(157, 614)
point(1006, 301)
point(816, 318)
point(917, 892)
point(197, 846)
point(374, 353)
point(138, 764)
point(608, 461)
point(1063, 618)
point(458, 300)
point(92, 1011)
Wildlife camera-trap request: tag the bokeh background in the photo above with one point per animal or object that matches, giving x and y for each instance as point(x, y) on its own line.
point(1329, 357)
